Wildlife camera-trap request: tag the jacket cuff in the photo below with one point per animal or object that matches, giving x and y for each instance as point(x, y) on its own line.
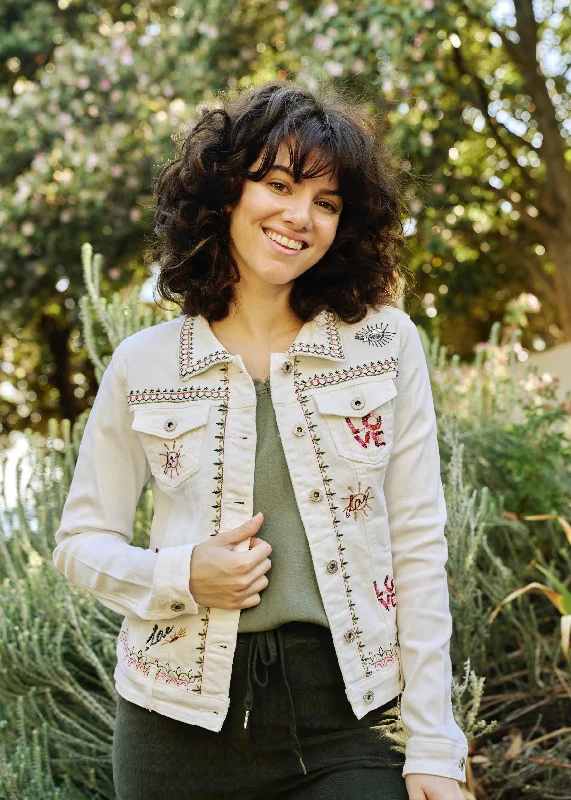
point(171, 581)
point(436, 758)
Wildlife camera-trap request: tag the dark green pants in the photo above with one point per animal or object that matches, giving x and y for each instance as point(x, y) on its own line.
point(302, 739)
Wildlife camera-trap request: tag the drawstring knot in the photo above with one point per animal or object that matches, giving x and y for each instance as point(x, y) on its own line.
point(264, 650)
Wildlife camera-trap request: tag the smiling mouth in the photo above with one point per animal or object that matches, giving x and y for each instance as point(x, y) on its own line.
point(288, 244)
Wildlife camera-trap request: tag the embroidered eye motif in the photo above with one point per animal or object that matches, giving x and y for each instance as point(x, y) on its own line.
point(370, 433)
point(358, 501)
point(172, 458)
point(375, 335)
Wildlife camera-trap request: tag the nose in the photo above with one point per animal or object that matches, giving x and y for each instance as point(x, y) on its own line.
point(299, 213)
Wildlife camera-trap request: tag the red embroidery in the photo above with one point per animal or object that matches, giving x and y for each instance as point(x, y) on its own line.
point(386, 596)
point(172, 458)
point(358, 501)
point(371, 426)
point(181, 633)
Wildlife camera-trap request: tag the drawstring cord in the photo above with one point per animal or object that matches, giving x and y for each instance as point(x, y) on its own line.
point(263, 653)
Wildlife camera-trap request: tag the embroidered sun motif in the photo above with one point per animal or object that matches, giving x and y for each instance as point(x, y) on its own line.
point(375, 335)
point(386, 596)
point(370, 433)
point(172, 458)
point(358, 501)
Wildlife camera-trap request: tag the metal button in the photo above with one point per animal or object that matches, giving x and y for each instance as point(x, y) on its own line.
point(170, 425)
point(316, 495)
point(332, 567)
point(177, 606)
point(299, 430)
point(349, 636)
point(368, 697)
point(357, 403)
point(287, 367)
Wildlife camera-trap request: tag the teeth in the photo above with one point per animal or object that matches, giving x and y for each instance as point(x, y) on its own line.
point(293, 245)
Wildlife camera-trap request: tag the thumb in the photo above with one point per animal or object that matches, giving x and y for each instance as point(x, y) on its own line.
point(242, 532)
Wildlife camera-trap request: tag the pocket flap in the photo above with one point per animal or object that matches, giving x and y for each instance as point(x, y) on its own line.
point(357, 400)
point(169, 423)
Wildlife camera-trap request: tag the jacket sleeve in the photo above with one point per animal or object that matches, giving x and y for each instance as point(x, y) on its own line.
point(93, 542)
point(417, 516)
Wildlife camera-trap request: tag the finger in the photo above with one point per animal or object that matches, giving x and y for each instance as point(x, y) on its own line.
point(242, 532)
point(256, 554)
point(250, 602)
point(261, 569)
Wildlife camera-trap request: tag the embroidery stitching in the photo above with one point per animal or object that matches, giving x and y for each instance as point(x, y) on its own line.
point(136, 396)
point(186, 367)
point(157, 635)
point(219, 464)
point(172, 458)
point(386, 596)
point(375, 335)
point(137, 661)
point(333, 347)
point(383, 658)
point(358, 501)
point(372, 425)
point(340, 376)
point(302, 399)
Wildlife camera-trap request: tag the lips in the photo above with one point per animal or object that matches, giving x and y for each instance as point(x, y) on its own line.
point(289, 237)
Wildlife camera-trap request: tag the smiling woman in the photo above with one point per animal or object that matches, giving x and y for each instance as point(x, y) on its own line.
point(289, 386)
point(282, 161)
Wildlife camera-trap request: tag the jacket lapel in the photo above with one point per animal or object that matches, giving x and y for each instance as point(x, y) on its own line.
point(199, 349)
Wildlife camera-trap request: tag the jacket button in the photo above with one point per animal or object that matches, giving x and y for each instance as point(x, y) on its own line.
point(357, 403)
point(299, 430)
point(170, 425)
point(287, 367)
point(177, 606)
point(368, 697)
point(315, 495)
point(349, 636)
point(332, 566)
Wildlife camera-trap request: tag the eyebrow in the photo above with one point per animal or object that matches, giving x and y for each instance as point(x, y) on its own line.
point(288, 171)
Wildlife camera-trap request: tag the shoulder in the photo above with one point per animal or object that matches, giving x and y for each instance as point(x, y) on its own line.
point(155, 337)
point(380, 328)
point(142, 352)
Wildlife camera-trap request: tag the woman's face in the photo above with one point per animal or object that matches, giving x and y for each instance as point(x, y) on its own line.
point(305, 214)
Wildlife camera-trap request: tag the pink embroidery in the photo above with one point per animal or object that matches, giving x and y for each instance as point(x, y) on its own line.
point(372, 423)
point(386, 596)
point(383, 658)
point(358, 501)
point(172, 458)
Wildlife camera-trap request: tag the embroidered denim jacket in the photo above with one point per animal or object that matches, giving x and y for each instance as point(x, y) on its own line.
point(356, 417)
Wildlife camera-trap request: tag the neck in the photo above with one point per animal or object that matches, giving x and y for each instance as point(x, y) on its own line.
point(263, 316)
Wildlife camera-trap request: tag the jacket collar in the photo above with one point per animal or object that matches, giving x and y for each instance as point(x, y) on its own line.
point(200, 349)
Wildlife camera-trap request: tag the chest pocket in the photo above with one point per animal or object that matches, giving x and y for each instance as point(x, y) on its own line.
point(361, 419)
point(172, 439)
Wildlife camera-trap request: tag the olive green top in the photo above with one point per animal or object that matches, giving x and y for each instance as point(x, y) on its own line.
point(292, 593)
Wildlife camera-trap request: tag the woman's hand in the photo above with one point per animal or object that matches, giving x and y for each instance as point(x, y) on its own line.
point(222, 578)
point(432, 787)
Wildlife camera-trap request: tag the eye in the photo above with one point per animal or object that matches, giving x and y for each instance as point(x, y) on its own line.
point(331, 206)
point(277, 183)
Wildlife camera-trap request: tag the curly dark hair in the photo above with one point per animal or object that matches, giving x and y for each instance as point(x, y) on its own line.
point(191, 236)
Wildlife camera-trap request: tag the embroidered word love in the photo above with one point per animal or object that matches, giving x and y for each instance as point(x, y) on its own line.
point(172, 458)
point(386, 596)
point(358, 501)
point(158, 635)
point(370, 433)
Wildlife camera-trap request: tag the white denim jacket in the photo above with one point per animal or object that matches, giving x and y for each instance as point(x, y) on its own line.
point(356, 417)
